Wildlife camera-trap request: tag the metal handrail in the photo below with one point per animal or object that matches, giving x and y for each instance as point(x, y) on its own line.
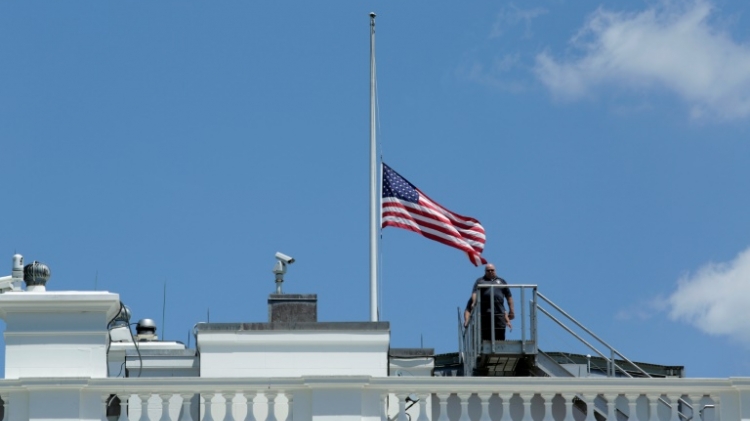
point(613, 351)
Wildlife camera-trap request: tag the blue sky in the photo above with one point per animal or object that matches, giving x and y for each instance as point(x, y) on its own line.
point(603, 145)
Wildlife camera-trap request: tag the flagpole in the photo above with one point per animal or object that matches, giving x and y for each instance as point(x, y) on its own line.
point(373, 184)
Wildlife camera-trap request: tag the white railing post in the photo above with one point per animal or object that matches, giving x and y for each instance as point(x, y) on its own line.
point(674, 401)
point(611, 405)
point(653, 406)
point(588, 399)
point(401, 416)
point(464, 397)
point(186, 398)
point(165, 406)
point(568, 405)
point(632, 405)
point(548, 406)
point(423, 407)
point(526, 397)
point(207, 409)
point(484, 400)
point(124, 398)
point(506, 406)
point(443, 406)
point(250, 403)
point(271, 397)
point(144, 406)
point(228, 405)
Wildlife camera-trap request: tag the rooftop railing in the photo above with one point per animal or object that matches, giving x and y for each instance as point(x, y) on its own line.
point(370, 398)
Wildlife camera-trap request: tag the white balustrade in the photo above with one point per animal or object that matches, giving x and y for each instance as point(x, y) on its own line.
point(423, 399)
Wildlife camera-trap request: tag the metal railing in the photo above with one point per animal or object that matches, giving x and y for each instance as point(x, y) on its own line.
point(471, 340)
point(470, 335)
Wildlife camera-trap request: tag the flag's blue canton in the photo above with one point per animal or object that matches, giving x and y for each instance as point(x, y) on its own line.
point(396, 186)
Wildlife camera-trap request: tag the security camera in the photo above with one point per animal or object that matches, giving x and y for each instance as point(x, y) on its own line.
point(284, 258)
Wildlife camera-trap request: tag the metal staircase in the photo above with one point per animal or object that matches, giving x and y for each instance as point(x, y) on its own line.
point(523, 358)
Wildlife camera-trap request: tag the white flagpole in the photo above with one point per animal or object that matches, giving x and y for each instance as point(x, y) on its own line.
point(373, 184)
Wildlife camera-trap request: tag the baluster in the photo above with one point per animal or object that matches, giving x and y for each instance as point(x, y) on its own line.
point(506, 405)
point(548, 406)
point(228, 405)
point(124, 398)
point(105, 402)
point(696, 400)
point(207, 410)
point(423, 407)
point(484, 400)
point(271, 396)
point(632, 403)
point(611, 405)
point(653, 407)
point(443, 406)
point(250, 403)
point(569, 406)
point(144, 406)
point(674, 401)
point(588, 398)
point(165, 406)
point(401, 416)
point(526, 397)
point(464, 397)
point(186, 398)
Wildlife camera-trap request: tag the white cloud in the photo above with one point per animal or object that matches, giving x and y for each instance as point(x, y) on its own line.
point(511, 16)
point(672, 46)
point(715, 298)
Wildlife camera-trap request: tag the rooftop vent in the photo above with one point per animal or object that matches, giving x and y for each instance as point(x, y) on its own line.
point(36, 275)
point(146, 330)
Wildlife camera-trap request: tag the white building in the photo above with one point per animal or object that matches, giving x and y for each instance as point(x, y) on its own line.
point(68, 357)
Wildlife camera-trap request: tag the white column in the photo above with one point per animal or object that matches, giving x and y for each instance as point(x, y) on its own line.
point(506, 405)
point(401, 416)
point(165, 406)
point(144, 406)
point(423, 397)
point(526, 406)
point(250, 402)
point(124, 398)
point(484, 400)
point(186, 398)
point(569, 406)
point(271, 396)
point(464, 397)
point(611, 405)
point(588, 398)
point(443, 406)
point(548, 406)
point(228, 405)
point(632, 405)
point(674, 401)
point(207, 410)
point(653, 406)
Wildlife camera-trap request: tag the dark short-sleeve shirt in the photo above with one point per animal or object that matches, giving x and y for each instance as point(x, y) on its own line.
point(492, 295)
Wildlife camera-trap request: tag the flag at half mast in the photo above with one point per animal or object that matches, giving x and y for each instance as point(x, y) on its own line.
point(405, 206)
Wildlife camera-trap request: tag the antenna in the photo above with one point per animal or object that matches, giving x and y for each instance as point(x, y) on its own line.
point(164, 312)
point(96, 280)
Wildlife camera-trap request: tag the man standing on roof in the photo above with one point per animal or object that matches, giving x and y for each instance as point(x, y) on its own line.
point(494, 296)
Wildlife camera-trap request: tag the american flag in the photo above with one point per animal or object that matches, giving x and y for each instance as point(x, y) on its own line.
point(405, 206)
